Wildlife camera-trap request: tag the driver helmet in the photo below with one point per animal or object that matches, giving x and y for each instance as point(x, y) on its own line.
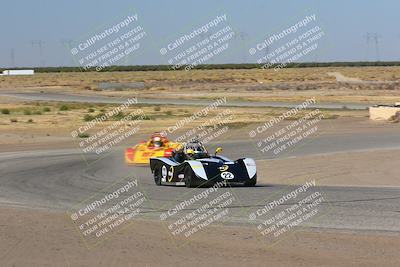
point(196, 150)
point(157, 141)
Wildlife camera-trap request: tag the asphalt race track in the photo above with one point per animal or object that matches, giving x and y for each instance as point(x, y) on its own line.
point(120, 100)
point(60, 179)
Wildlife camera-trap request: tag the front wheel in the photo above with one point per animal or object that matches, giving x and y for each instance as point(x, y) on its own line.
point(157, 176)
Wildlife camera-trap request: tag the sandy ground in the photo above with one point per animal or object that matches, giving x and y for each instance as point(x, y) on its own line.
point(375, 84)
point(35, 237)
point(40, 238)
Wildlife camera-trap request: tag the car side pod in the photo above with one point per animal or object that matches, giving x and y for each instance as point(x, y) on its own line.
point(251, 167)
point(129, 155)
point(198, 169)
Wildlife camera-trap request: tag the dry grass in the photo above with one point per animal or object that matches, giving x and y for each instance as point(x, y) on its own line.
point(62, 122)
point(247, 85)
point(91, 79)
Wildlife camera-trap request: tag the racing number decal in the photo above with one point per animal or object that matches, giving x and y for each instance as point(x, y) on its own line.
point(223, 168)
point(227, 175)
point(171, 173)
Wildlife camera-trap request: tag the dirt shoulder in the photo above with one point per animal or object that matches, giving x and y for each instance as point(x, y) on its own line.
point(41, 238)
point(364, 168)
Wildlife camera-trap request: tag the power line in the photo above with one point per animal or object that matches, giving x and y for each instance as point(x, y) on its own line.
point(376, 39)
point(243, 36)
point(367, 37)
point(40, 44)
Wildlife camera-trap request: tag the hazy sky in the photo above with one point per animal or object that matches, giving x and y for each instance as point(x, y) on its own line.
point(42, 32)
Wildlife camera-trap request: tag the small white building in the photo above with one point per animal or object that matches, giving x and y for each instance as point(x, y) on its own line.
point(18, 72)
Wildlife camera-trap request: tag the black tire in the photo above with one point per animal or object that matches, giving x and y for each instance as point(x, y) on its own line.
point(189, 177)
point(157, 176)
point(252, 182)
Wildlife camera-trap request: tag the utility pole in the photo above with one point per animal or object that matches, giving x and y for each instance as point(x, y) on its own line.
point(12, 56)
point(67, 44)
point(367, 39)
point(243, 36)
point(40, 44)
point(266, 54)
point(205, 36)
point(376, 39)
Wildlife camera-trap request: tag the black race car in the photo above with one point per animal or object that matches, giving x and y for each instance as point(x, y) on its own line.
point(192, 166)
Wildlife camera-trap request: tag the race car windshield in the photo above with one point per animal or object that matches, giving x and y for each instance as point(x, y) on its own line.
point(157, 143)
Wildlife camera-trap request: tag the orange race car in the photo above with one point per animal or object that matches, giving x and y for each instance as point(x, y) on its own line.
point(157, 146)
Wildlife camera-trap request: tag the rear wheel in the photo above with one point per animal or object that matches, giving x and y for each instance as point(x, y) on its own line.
point(189, 177)
point(251, 182)
point(157, 176)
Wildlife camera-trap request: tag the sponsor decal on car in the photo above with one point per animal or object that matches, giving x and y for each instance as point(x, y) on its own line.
point(147, 154)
